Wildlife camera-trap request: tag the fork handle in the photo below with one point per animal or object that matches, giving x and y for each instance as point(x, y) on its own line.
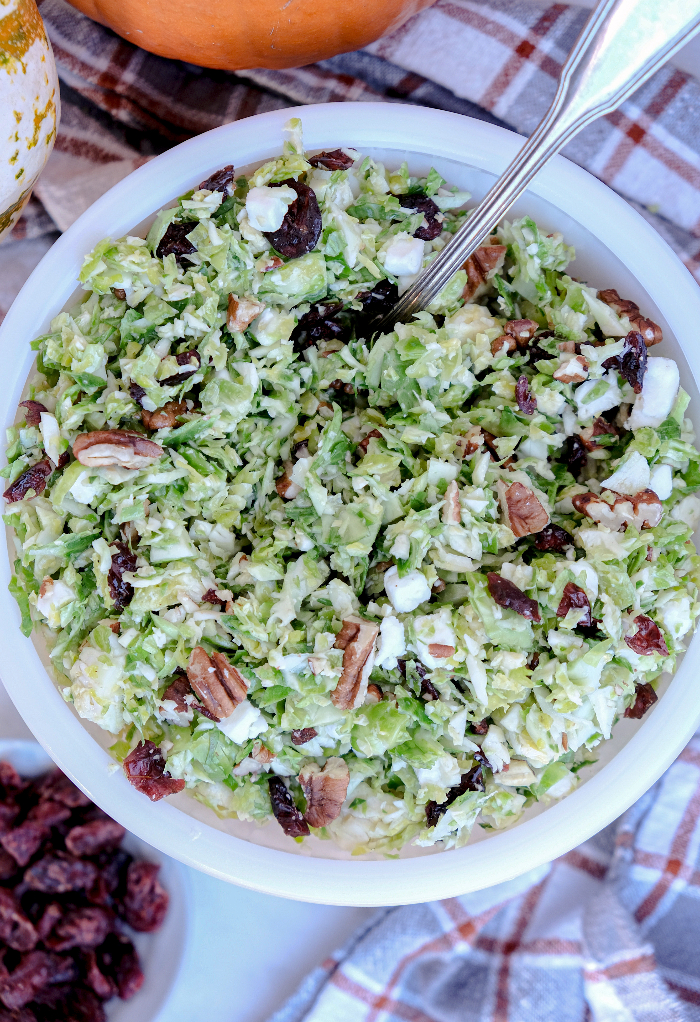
point(621, 46)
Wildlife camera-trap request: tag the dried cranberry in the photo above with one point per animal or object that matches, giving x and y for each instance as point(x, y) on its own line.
point(117, 959)
point(15, 929)
point(552, 537)
point(33, 478)
point(302, 735)
point(506, 594)
point(211, 597)
point(318, 324)
point(49, 813)
point(378, 302)
point(10, 780)
point(220, 181)
point(175, 241)
point(52, 913)
point(648, 638)
point(644, 698)
point(60, 788)
point(31, 974)
point(336, 159)
point(122, 592)
point(574, 598)
point(33, 413)
point(537, 354)
point(58, 875)
point(104, 986)
point(145, 769)
point(137, 393)
point(8, 814)
point(286, 813)
point(575, 455)
point(524, 396)
point(146, 900)
point(93, 838)
point(471, 781)
point(23, 842)
point(631, 364)
point(420, 203)
point(8, 866)
point(22, 1015)
point(301, 227)
point(81, 927)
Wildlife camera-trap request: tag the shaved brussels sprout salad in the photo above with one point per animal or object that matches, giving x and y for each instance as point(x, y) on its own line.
point(378, 588)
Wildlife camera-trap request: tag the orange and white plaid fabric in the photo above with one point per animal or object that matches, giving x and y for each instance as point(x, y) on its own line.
point(608, 933)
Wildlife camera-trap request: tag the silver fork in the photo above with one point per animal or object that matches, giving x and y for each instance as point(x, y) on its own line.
point(621, 46)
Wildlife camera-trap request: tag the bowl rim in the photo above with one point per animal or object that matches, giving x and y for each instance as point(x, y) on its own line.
point(509, 853)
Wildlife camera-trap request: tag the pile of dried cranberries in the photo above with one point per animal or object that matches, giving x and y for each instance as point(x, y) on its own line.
point(67, 891)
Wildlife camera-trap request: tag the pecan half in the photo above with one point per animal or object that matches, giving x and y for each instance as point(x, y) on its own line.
point(119, 293)
point(575, 370)
point(364, 443)
point(481, 267)
point(324, 790)
point(643, 510)
point(33, 478)
point(574, 598)
point(644, 698)
point(219, 685)
point(523, 512)
point(286, 813)
point(650, 331)
point(440, 651)
point(506, 594)
point(336, 159)
point(356, 637)
point(503, 345)
point(241, 312)
point(600, 427)
point(521, 330)
point(648, 638)
point(165, 416)
point(106, 448)
point(33, 413)
point(470, 442)
point(220, 181)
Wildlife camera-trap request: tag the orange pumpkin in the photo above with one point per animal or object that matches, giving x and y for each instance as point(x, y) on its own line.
point(237, 34)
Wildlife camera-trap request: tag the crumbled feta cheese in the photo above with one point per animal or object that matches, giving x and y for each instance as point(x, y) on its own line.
point(408, 592)
point(550, 401)
point(688, 511)
point(659, 389)
point(609, 398)
point(267, 207)
point(630, 477)
point(661, 481)
point(403, 255)
point(392, 644)
point(244, 723)
point(401, 547)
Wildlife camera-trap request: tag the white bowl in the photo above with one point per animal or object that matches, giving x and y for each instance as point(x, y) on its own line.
point(616, 248)
point(162, 952)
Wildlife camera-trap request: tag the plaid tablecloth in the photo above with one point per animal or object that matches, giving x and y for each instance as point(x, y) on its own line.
point(611, 932)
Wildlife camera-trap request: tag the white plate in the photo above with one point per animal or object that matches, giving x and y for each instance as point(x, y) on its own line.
point(617, 248)
point(162, 952)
